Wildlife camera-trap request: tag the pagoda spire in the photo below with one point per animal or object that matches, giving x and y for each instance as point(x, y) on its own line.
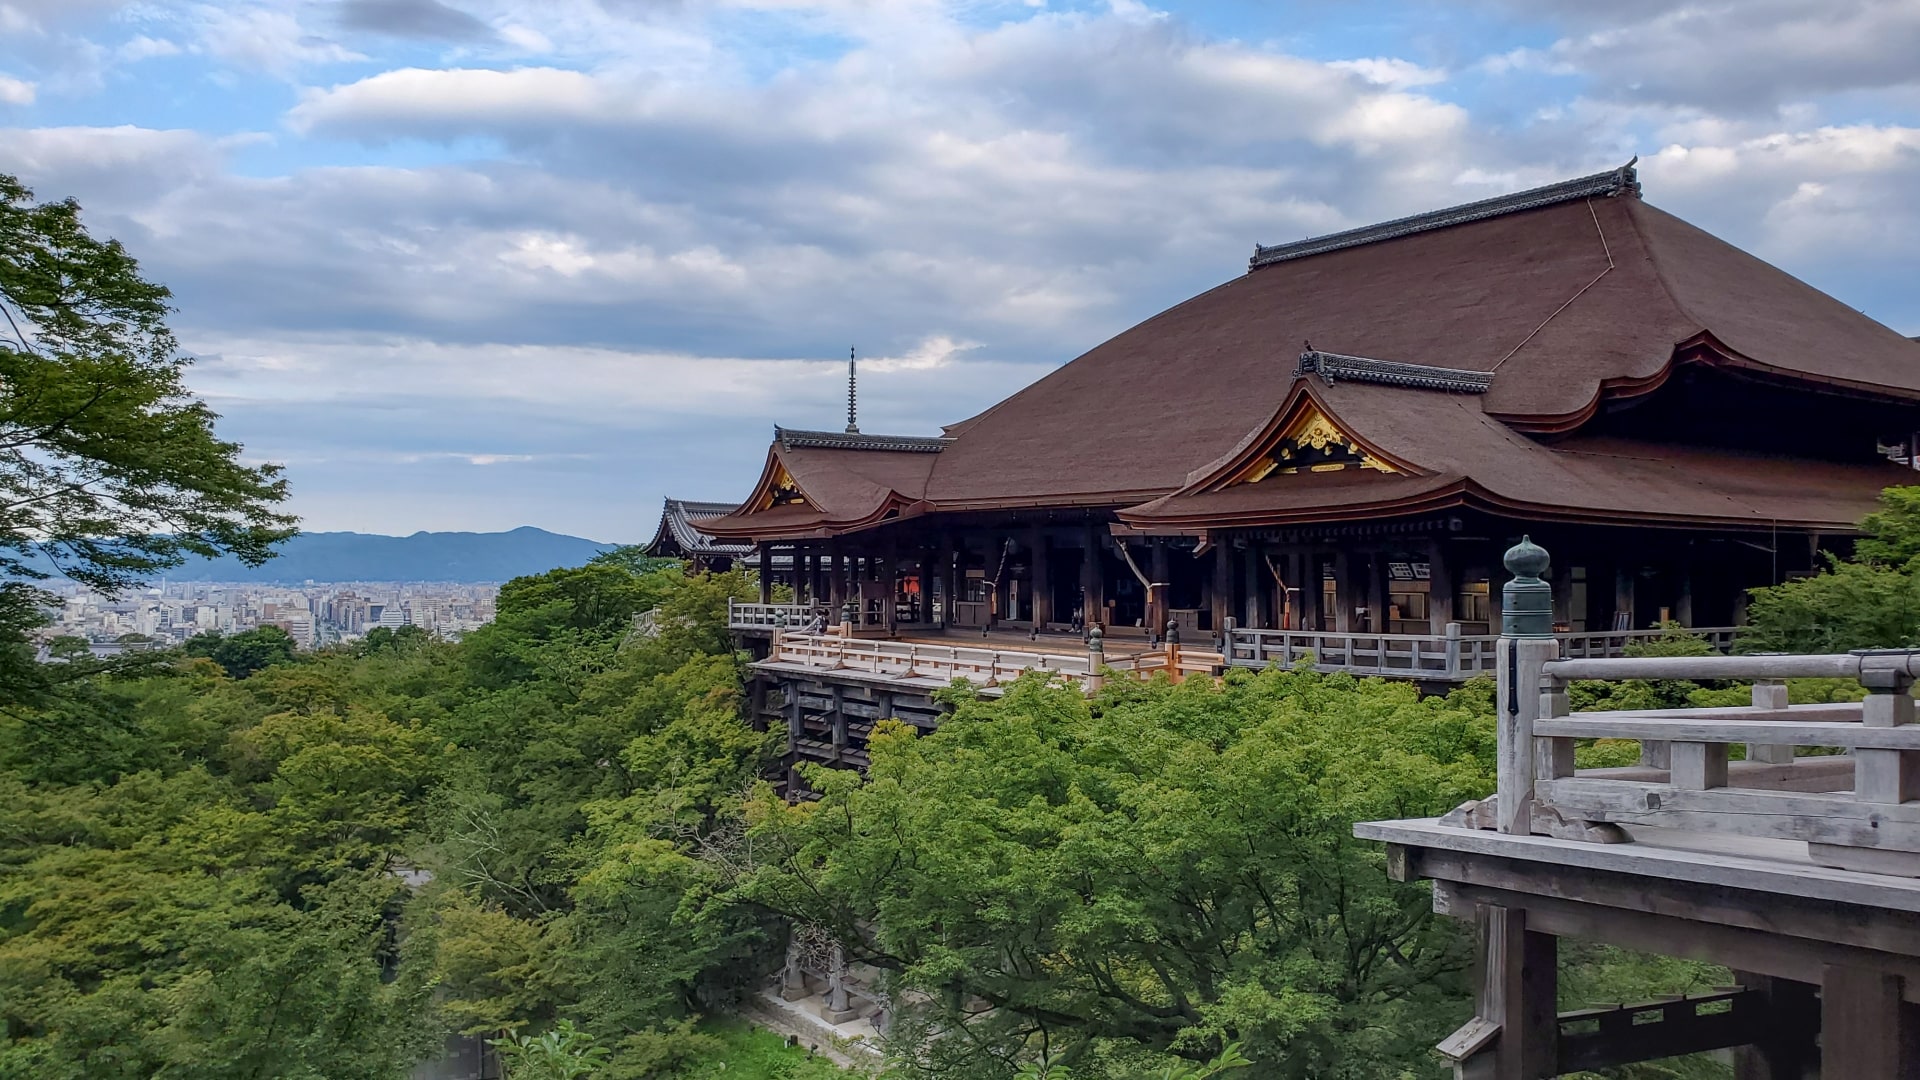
point(853, 426)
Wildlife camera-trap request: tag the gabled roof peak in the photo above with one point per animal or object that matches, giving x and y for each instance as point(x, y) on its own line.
point(1337, 366)
point(1604, 185)
point(790, 439)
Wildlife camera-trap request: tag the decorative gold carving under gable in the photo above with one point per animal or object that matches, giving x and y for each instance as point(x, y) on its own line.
point(782, 492)
point(1311, 443)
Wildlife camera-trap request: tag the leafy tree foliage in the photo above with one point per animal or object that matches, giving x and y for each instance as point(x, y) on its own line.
point(246, 652)
point(1164, 870)
point(1871, 600)
point(108, 466)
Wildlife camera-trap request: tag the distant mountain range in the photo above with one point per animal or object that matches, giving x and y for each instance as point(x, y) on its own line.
point(424, 556)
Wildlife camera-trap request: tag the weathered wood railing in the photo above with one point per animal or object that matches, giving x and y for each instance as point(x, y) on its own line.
point(742, 616)
point(909, 660)
point(1450, 656)
point(1863, 818)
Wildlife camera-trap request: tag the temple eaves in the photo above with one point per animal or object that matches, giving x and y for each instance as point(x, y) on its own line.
point(1610, 184)
point(791, 439)
point(1336, 366)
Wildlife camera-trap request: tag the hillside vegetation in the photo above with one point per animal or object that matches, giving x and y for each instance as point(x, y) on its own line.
point(321, 868)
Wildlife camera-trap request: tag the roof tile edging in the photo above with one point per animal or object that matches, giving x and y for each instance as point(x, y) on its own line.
point(792, 439)
point(1610, 184)
point(1335, 366)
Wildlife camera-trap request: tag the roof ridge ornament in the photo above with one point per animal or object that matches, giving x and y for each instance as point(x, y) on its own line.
point(1333, 367)
point(793, 439)
point(1623, 181)
point(853, 426)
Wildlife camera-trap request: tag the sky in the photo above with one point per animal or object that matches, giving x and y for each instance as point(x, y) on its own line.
point(475, 264)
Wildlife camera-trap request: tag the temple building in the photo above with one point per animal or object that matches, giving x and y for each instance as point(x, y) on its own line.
point(1344, 438)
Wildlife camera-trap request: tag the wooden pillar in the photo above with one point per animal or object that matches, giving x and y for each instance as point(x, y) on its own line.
point(1440, 586)
point(1793, 1021)
point(1309, 615)
point(1866, 1031)
point(1374, 566)
point(1157, 591)
point(1093, 580)
point(1519, 986)
point(1041, 579)
point(1343, 594)
point(836, 583)
point(1222, 598)
point(1623, 589)
point(1254, 576)
point(766, 572)
point(1683, 604)
point(943, 572)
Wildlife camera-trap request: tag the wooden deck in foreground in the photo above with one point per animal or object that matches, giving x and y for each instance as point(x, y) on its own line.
point(1798, 871)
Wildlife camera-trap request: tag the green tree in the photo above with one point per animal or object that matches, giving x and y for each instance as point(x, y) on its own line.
point(563, 1053)
point(109, 469)
point(1163, 871)
point(244, 653)
point(633, 559)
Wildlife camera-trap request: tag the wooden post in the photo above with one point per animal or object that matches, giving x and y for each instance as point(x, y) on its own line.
point(1526, 644)
point(1157, 586)
point(1886, 776)
point(1793, 1021)
point(1254, 575)
point(1377, 593)
point(1342, 595)
point(1093, 579)
point(1623, 590)
point(1866, 1031)
point(1041, 604)
point(1440, 587)
point(837, 580)
point(1519, 985)
point(1222, 598)
point(943, 570)
point(1770, 694)
point(1313, 591)
point(766, 572)
point(1521, 662)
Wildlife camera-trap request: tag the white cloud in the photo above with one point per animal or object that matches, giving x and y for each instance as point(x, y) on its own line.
point(15, 91)
point(660, 239)
point(141, 47)
point(1730, 55)
point(265, 38)
point(1391, 71)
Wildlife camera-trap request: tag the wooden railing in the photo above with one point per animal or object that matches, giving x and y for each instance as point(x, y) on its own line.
point(1861, 818)
point(1176, 661)
point(908, 660)
point(767, 616)
point(1450, 656)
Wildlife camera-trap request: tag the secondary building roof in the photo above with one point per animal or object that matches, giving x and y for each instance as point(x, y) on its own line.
point(679, 534)
point(1464, 349)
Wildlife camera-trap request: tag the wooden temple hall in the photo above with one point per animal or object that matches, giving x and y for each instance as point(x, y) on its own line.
point(1344, 439)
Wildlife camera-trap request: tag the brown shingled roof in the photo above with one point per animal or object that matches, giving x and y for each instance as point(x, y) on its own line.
point(1461, 457)
point(1565, 303)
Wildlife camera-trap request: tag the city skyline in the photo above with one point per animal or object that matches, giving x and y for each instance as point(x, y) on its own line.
point(476, 264)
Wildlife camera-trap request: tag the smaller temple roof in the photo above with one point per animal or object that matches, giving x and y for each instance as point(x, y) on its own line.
point(679, 533)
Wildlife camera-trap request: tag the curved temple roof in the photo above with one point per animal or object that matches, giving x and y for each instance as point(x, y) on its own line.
point(1446, 339)
point(679, 532)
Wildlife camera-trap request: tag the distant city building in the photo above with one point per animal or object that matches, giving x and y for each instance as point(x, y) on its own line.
point(315, 615)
